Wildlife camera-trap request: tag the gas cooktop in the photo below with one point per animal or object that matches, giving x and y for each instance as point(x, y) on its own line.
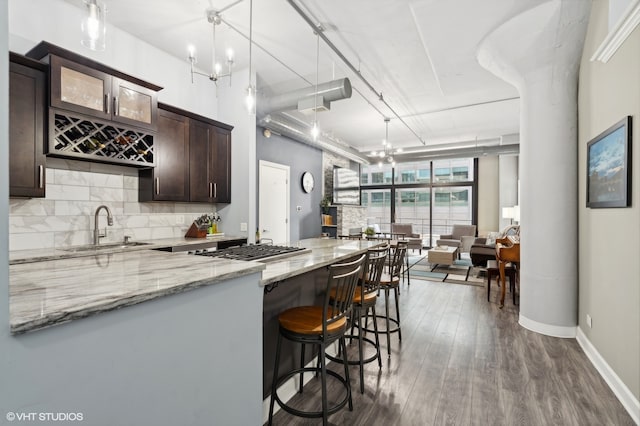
point(253, 252)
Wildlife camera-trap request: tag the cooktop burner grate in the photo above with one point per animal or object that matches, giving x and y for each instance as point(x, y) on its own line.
point(252, 252)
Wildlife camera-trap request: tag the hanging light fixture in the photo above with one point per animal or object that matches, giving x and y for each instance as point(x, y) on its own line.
point(216, 68)
point(386, 154)
point(93, 25)
point(315, 130)
point(250, 99)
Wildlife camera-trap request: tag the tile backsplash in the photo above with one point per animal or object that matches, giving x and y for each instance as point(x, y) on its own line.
point(73, 192)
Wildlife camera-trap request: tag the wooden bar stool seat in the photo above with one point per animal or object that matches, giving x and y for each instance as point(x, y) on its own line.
point(319, 325)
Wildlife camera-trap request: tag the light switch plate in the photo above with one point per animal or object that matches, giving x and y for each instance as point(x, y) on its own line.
point(243, 226)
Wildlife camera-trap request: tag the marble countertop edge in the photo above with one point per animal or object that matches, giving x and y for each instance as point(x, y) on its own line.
point(118, 302)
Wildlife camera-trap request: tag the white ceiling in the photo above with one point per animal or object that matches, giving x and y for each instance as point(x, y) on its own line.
point(421, 55)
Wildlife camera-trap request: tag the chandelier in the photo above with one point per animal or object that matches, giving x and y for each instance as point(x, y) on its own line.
point(214, 19)
point(387, 152)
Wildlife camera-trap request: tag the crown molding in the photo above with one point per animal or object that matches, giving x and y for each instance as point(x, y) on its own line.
point(616, 37)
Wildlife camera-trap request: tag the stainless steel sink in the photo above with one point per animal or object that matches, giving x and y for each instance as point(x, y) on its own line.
point(111, 246)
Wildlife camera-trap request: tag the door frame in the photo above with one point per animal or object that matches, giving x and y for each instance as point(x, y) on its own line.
point(287, 169)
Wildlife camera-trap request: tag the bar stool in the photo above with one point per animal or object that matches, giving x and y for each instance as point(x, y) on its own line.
point(320, 325)
point(391, 281)
point(365, 299)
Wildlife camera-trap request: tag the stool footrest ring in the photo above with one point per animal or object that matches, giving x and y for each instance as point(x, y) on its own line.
point(357, 361)
point(311, 414)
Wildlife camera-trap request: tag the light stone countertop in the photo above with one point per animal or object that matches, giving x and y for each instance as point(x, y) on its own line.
point(52, 292)
point(324, 251)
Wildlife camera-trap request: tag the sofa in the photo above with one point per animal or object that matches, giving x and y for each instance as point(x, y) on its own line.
point(484, 249)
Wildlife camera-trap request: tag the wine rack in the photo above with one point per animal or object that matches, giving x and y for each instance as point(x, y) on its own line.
point(79, 137)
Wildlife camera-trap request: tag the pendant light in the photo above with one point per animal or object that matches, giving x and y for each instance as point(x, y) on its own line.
point(250, 99)
point(93, 25)
point(386, 155)
point(216, 69)
point(315, 130)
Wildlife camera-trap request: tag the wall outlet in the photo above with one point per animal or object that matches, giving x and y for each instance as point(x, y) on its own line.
point(180, 220)
point(589, 320)
point(243, 227)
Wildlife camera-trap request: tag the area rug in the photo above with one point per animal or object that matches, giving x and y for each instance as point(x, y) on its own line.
point(420, 268)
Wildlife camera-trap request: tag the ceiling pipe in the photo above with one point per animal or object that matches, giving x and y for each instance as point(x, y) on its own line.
point(469, 152)
point(280, 125)
point(303, 99)
point(317, 29)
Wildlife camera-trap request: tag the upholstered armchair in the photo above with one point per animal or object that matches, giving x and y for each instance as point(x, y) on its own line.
point(455, 238)
point(414, 240)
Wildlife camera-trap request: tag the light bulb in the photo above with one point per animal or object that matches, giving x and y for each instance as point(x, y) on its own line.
point(217, 68)
point(250, 100)
point(379, 163)
point(381, 154)
point(192, 52)
point(373, 153)
point(315, 131)
point(230, 55)
point(399, 150)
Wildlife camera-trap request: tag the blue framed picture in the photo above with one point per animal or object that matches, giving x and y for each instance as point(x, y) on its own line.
point(609, 167)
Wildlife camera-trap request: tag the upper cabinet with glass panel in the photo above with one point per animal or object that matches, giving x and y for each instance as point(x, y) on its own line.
point(81, 85)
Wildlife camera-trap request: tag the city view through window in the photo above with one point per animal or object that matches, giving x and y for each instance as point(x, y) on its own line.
point(432, 196)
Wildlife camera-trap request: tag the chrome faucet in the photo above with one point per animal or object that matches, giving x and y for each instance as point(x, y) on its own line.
point(96, 230)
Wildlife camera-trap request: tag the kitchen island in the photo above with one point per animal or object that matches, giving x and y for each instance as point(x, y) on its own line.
point(150, 337)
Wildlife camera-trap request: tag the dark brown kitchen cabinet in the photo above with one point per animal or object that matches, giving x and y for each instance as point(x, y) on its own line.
point(82, 85)
point(210, 163)
point(193, 159)
point(27, 106)
point(169, 179)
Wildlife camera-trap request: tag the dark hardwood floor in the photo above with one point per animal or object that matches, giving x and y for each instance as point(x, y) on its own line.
point(463, 361)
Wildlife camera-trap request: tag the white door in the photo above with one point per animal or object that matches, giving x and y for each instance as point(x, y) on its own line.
point(274, 202)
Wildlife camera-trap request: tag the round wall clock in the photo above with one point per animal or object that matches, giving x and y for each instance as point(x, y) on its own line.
point(307, 182)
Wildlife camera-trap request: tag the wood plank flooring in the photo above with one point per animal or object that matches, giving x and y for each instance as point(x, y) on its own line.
point(463, 361)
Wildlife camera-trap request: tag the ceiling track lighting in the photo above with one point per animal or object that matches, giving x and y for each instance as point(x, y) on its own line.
point(387, 152)
point(216, 74)
point(93, 25)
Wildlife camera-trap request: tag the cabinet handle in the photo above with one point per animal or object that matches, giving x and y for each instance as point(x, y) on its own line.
point(210, 190)
point(115, 105)
point(157, 186)
point(40, 176)
point(215, 190)
point(107, 103)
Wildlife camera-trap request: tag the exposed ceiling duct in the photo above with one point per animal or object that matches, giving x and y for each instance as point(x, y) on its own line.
point(301, 133)
point(459, 152)
point(303, 99)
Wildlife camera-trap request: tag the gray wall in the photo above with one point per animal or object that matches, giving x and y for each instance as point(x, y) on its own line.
point(609, 239)
point(300, 158)
point(5, 338)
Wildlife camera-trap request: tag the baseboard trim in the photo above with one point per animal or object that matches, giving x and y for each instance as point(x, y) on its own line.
point(547, 329)
point(621, 391)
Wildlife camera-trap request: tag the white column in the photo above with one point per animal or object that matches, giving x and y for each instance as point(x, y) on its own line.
point(543, 66)
point(548, 206)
